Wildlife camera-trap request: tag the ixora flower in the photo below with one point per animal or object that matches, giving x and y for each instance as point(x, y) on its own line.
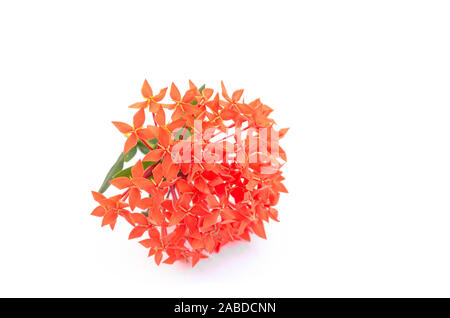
point(208, 176)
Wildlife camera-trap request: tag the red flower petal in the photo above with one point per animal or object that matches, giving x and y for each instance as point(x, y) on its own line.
point(121, 182)
point(123, 128)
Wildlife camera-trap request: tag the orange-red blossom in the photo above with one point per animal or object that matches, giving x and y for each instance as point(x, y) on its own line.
point(187, 211)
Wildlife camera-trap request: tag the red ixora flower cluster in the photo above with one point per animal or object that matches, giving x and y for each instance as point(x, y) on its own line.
point(191, 208)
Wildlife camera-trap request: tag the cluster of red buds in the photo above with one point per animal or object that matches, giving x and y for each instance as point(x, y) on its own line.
point(209, 174)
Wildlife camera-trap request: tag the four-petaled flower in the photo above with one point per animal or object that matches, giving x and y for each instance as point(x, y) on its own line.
point(135, 133)
point(134, 185)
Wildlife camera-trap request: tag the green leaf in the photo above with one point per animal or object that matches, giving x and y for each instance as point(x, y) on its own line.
point(179, 133)
point(153, 142)
point(127, 172)
point(114, 169)
point(130, 154)
point(144, 149)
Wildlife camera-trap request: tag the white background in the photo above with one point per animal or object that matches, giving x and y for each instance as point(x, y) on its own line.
point(363, 85)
